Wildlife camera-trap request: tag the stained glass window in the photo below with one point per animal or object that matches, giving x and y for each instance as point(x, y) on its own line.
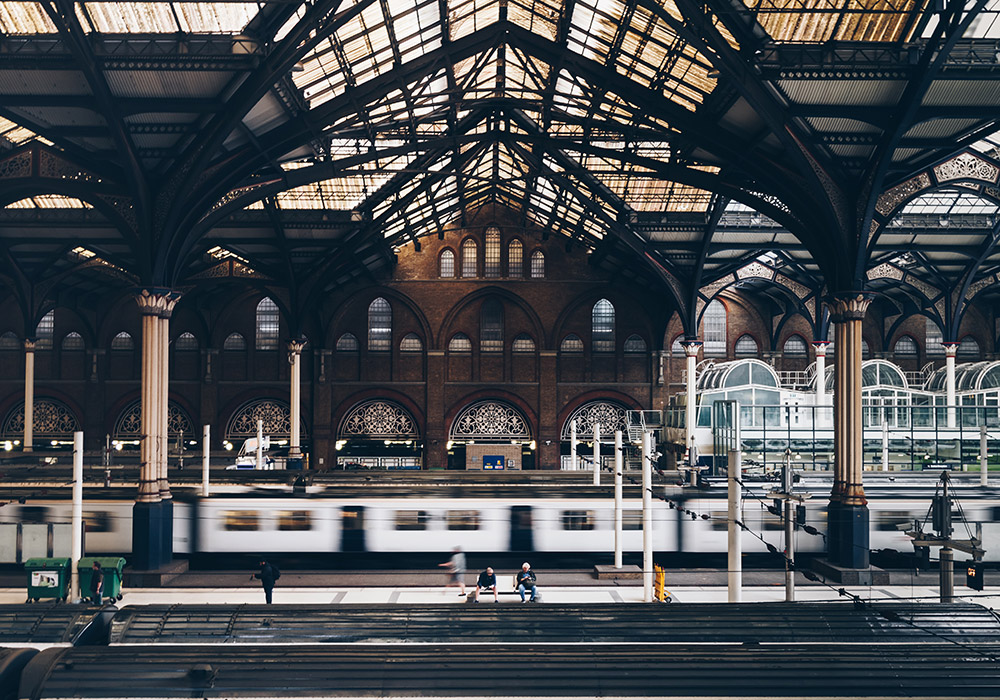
point(538, 265)
point(715, 329)
point(492, 267)
point(460, 343)
point(72, 341)
point(515, 259)
point(45, 330)
point(491, 326)
point(746, 346)
point(469, 253)
point(603, 326)
point(795, 346)
point(122, 341)
point(267, 325)
point(447, 267)
point(234, 341)
point(379, 326)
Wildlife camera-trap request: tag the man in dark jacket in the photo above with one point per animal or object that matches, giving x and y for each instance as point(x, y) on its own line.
point(487, 581)
point(96, 583)
point(525, 580)
point(268, 575)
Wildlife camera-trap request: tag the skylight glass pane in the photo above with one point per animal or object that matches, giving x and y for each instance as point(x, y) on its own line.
point(167, 17)
point(24, 18)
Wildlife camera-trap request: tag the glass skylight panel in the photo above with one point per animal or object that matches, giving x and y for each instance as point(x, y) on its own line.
point(468, 16)
point(838, 20)
point(538, 16)
point(15, 134)
point(166, 17)
point(418, 29)
point(24, 18)
point(49, 201)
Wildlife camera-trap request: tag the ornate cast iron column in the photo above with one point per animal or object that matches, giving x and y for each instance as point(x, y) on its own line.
point(152, 517)
point(848, 512)
point(691, 348)
point(295, 359)
point(29, 395)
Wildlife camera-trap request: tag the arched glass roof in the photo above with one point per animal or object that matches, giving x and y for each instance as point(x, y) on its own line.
point(738, 373)
point(874, 373)
point(971, 376)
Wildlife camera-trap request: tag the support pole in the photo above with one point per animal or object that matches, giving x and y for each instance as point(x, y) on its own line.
point(572, 445)
point(206, 434)
point(950, 349)
point(820, 346)
point(619, 465)
point(647, 519)
point(691, 348)
point(787, 484)
point(29, 395)
point(597, 454)
point(984, 467)
point(295, 360)
point(947, 575)
point(77, 526)
point(735, 515)
point(260, 444)
point(885, 445)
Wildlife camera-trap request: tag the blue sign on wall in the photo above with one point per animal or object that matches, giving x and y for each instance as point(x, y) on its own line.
point(492, 461)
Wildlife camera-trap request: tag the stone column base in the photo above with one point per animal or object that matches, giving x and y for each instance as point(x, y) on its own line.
point(147, 535)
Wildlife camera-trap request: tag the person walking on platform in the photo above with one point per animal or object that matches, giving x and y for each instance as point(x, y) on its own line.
point(526, 580)
point(456, 570)
point(268, 574)
point(487, 581)
point(96, 584)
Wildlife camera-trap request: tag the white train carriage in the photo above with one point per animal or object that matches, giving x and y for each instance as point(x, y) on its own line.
point(251, 525)
point(571, 525)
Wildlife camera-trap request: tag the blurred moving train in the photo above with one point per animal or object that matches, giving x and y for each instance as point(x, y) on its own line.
point(316, 524)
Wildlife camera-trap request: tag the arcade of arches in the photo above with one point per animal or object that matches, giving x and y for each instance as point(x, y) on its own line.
point(490, 333)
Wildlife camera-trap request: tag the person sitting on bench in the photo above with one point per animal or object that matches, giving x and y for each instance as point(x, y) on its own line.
point(526, 580)
point(487, 581)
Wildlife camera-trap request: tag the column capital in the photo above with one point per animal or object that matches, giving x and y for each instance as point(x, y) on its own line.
point(157, 301)
point(848, 306)
point(691, 346)
point(820, 347)
point(295, 346)
point(30, 344)
point(950, 348)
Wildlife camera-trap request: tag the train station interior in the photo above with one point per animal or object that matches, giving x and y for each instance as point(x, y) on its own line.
point(345, 285)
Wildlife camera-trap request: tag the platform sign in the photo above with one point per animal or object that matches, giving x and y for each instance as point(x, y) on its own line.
point(493, 462)
point(974, 575)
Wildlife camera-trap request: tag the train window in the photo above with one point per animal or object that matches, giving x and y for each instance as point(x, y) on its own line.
point(891, 520)
point(240, 520)
point(294, 520)
point(463, 519)
point(34, 514)
point(719, 520)
point(352, 518)
point(578, 520)
point(411, 519)
point(995, 514)
point(97, 521)
point(631, 520)
point(770, 521)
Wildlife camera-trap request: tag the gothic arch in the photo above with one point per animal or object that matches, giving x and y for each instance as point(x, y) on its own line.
point(129, 421)
point(275, 413)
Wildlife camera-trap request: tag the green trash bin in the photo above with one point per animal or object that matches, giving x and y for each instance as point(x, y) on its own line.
point(112, 568)
point(48, 577)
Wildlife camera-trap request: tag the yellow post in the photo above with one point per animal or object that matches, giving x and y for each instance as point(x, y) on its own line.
point(661, 580)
